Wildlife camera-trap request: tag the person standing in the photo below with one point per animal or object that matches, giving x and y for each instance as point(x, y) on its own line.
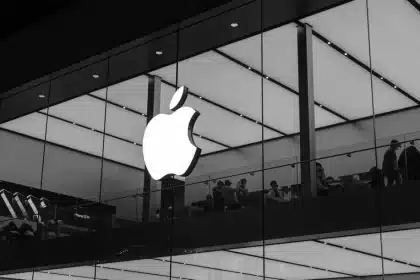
point(321, 184)
point(241, 190)
point(218, 196)
point(409, 163)
point(390, 165)
point(229, 196)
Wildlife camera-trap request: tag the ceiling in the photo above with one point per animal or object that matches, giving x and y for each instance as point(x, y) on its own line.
point(14, 18)
point(227, 86)
point(350, 257)
point(52, 25)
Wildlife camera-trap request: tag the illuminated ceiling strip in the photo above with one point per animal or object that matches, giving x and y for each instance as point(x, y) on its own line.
point(362, 65)
point(222, 270)
point(71, 149)
point(317, 129)
point(90, 129)
point(143, 273)
point(116, 104)
point(144, 115)
point(70, 275)
point(228, 109)
point(212, 140)
point(292, 263)
point(342, 247)
point(278, 83)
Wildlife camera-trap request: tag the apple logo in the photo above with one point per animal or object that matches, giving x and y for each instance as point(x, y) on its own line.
point(168, 145)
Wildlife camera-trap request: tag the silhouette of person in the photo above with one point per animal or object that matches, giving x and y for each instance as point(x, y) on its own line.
point(389, 164)
point(409, 163)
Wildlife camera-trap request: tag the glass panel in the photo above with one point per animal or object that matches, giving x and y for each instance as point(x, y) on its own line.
point(18, 275)
point(281, 177)
point(89, 174)
point(342, 87)
point(123, 172)
point(394, 43)
point(71, 175)
point(76, 272)
point(221, 264)
point(218, 206)
point(141, 59)
point(22, 136)
point(24, 102)
point(75, 134)
point(344, 165)
point(134, 269)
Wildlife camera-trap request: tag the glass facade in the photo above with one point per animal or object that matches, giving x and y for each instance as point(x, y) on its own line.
point(283, 189)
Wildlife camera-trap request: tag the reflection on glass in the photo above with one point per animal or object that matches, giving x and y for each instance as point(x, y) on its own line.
point(72, 154)
point(394, 44)
point(123, 166)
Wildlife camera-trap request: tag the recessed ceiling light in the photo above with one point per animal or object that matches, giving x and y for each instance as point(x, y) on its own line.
point(41, 95)
point(95, 76)
point(159, 52)
point(234, 24)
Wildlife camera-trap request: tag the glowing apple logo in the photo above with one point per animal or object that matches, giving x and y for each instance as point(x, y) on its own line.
point(168, 145)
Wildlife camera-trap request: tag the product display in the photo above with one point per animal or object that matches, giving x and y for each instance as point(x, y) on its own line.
point(20, 202)
point(6, 201)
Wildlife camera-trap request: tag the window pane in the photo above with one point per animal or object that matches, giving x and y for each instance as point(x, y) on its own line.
point(394, 42)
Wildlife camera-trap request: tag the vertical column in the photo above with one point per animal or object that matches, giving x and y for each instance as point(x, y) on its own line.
point(153, 108)
point(306, 111)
